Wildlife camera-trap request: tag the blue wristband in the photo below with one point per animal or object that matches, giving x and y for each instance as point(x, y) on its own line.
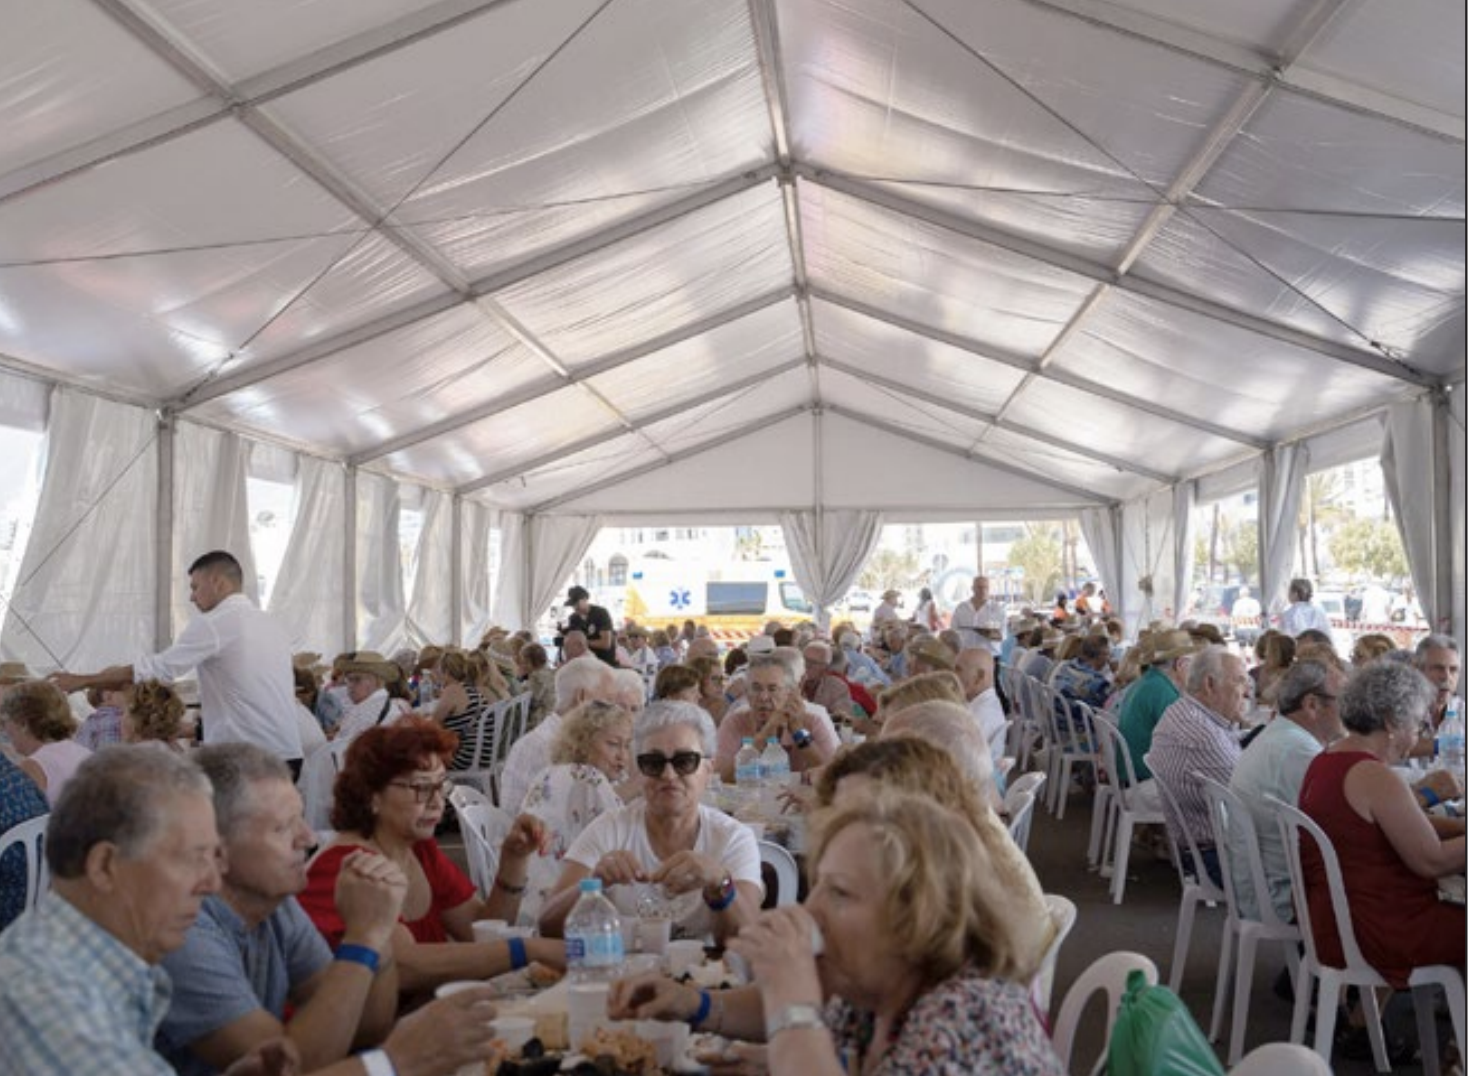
point(518, 959)
point(359, 954)
point(727, 892)
point(1431, 798)
point(705, 1003)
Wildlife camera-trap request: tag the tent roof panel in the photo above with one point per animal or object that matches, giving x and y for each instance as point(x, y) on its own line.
point(1068, 467)
point(926, 420)
point(575, 470)
point(1368, 48)
point(738, 410)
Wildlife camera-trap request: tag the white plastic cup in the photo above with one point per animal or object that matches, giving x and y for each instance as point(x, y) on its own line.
point(683, 955)
point(629, 934)
point(513, 1031)
point(586, 1010)
point(487, 930)
point(640, 963)
point(444, 990)
point(653, 934)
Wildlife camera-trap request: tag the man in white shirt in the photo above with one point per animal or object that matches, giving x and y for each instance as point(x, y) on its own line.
point(579, 680)
point(1302, 614)
point(975, 670)
point(246, 686)
point(979, 621)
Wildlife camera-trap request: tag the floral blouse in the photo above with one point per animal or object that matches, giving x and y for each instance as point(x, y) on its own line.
point(567, 798)
point(966, 1025)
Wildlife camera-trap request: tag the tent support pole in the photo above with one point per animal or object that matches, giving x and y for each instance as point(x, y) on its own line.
point(163, 547)
point(456, 570)
point(349, 561)
point(1442, 513)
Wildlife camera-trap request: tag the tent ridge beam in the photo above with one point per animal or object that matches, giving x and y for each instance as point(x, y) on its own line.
point(741, 432)
point(1002, 423)
point(634, 426)
point(540, 263)
point(546, 386)
point(1017, 362)
point(856, 415)
point(873, 194)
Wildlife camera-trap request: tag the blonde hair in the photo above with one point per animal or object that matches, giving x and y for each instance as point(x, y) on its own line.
point(946, 905)
point(156, 713)
point(39, 707)
point(582, 724)
point(942, 686)
point(1371, 646)
point(455, 665)
point(1068, 648)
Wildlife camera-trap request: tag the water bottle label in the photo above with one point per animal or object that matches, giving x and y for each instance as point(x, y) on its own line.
point(601, 950)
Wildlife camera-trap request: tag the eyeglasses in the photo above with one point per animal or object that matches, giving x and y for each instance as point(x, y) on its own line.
point(683, 763)
point(423, 791)
point(1324, 696)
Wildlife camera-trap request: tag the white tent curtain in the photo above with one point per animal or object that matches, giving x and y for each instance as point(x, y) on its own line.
point(1457, 490)
point(554, 547)
point(1184, 497)
point(1149, 560)
point(1101, 528)
point(307, 595)
point(380, 613)
point(430, 617)
point(1281, 483)
point(827, 551)
point(475, 518)
point(84, 594)
point(509, 600)
point(210, 506)
point(1412, 487)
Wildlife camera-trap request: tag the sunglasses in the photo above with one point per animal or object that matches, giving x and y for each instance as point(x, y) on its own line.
point(683, 763)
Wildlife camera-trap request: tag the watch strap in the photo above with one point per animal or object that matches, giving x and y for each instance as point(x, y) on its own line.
point(798, 1017)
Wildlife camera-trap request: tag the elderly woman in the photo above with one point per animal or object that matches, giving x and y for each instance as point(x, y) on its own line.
point(676, 683)
point(1391, 853)
point(533, 665)
point(705, 863)
point(389, 798)
point(711, 681)
point(155, 714)
point(461, 706)
point(590, 756)
point(775, 710)
point(369, 702)
point(40, 724)
point(923, 968)
point(1276, 653)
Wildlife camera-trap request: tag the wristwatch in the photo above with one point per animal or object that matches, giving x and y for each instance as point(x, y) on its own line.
point(798, 1017)
point(801, 738)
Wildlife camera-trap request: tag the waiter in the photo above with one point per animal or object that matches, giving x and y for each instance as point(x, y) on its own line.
point(593, 621)
point(979, 620)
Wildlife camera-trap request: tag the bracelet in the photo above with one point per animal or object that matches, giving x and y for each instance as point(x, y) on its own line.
point(1430, 798)
point(377, 1063)
point(518, 956)
point(794, 1018)
point(726, 895)
point(359, 954)
point(512, 890)
point(705, 1003)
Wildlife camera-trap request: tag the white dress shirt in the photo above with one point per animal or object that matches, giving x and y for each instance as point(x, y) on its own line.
point(247, 692)
point(967, 621)
point(989, 712)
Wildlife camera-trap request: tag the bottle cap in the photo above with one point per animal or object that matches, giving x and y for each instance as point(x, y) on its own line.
point(591, 885)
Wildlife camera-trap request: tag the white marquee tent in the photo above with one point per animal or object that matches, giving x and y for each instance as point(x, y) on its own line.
point(541, 265)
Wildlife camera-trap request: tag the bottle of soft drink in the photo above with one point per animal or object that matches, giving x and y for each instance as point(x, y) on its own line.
point(1450, 737)
point(593, 936)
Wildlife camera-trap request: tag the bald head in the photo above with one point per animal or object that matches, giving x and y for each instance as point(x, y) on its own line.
point(975, 670)
point(702, 646)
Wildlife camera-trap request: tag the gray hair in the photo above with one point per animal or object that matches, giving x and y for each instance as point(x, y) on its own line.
point(1303, 678)
point(586, 673)
point(122, 795)
point(1206, 663)
point(667, 714)
point(787, 659)
point(234, 769)
point(1301, 590)
point(951, 727)
point(1435, 641)
point(838, 660)
point(629, 681)
point(1385, 695)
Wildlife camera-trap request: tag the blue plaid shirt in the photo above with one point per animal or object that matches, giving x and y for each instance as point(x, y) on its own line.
point(74, 1000)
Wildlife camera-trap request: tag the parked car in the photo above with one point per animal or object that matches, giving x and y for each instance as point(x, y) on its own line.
point(860, 601)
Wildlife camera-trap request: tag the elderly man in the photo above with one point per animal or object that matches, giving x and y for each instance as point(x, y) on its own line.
point(253, 952)
point(629, 690)
point(822, 686)
point(247, 690)
point(885, 611)
point(1164, 660)
point(573, 646)
point(1436, 658)
point(979, 620)
point(1199, 734)
point(774, 710)
point(1302, 614)
point(975, 671)
point(577, 681)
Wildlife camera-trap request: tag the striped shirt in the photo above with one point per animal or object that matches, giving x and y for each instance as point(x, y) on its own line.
point(1190, 739)
point(76, 1001)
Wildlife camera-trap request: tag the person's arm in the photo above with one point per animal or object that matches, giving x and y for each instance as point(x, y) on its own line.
point(732, 905)
point(425, 965)
point(452, 699)
point(737, 1013)
point(437, 1040)
point(606, 636)
point(111, 677)
point(778, 948)
point(1373, 790)
point(727, 746)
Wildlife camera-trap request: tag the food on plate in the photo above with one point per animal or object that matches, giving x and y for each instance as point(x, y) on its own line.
point(550, 1029)
point(542, 975)
point(628, 1052)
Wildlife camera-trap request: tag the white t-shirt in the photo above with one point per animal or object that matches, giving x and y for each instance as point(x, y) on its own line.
point(989, 711)
point(967, 621)
point(528, 756)
point(719, 837)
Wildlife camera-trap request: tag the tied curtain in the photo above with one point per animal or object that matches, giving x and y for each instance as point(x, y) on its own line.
point(430, 614)
point(1101, 527)
point(475, 521)
point(308, 593)
point(381, 617)
point(1281, 483)
point(537, 555)
point(1420, 497)
point(827, 551)
point(84, 593)
point(1149, 564)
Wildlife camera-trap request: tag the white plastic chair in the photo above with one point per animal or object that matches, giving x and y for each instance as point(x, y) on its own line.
point(1276, 1058)
point(30, 837)
point(511, 717)
point(461, 796)
point(1021, 811)
point(1026, 782)
point(1233, 831)
point(1074, 744)
point(316, 784)
point(1109, 974)
point(1357, 972)
point(787, 872)
point(484, 827)
point(1062, 918)
point(1127, 808)
point(484, 735)
point(1197, 887)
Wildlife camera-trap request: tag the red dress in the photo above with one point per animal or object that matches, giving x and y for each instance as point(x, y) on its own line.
point(446, 883)
point(1399, 922)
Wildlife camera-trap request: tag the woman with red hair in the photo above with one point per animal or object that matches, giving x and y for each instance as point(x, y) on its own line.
point(389, 798)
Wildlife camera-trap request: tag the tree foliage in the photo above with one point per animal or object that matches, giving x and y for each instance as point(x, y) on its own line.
point(1369, 547)
point(888, 569)
point(1039, 555)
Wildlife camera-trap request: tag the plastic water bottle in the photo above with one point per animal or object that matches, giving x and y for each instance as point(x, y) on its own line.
point(776, 764)
point(1450, 736)
point(749, 771)
point(593, 936)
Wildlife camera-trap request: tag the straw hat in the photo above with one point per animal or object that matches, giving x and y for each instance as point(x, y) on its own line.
point(1167, 645)
point(306, 659)
point(369, 661)
point(931, 651)
point(891, 595)
point(1051, 638)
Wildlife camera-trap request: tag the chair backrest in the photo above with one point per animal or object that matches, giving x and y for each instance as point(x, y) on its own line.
point(1108, 974)
point(1025, 782)
point(465, 795)
point(1194, 873)
point(1277, 1057)
point(787, 872)
point(1021, 815)
point(510, 719)
point(1116, 757)
point(484, 827)
point(999, 742)
point(1292, 822)
point(1062, 918)
point(30, 838)
point(1238, 849)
